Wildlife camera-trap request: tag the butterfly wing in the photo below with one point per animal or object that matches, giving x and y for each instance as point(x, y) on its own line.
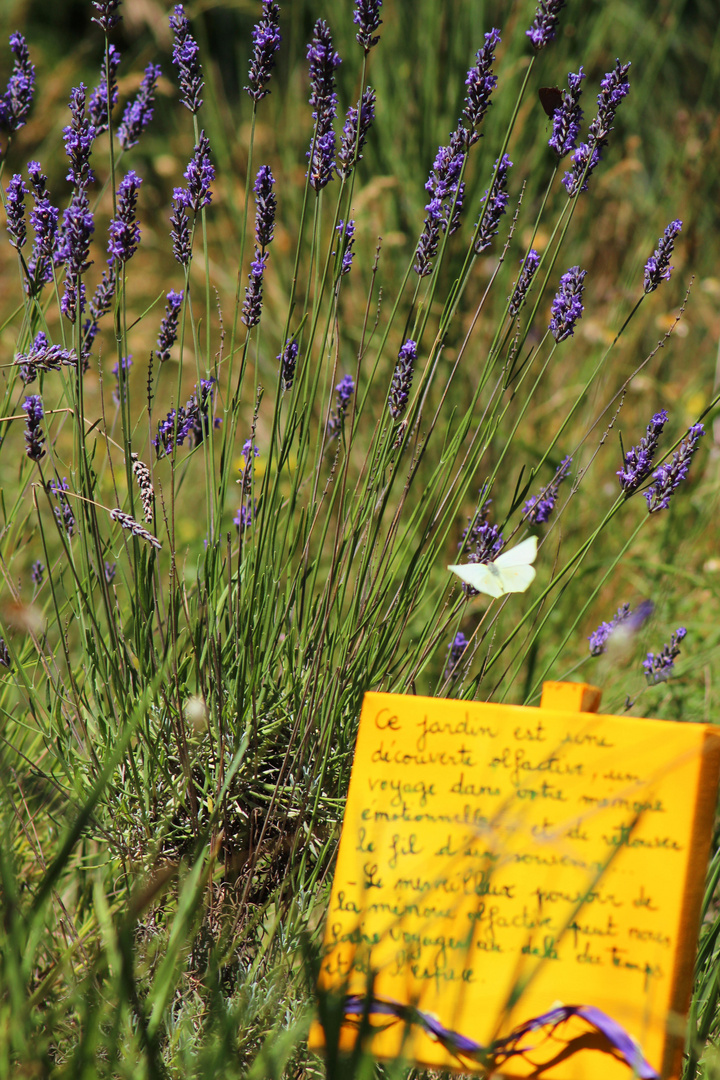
point(520, 555)
point(481, 576)
point(510, 572)
point(515, 578)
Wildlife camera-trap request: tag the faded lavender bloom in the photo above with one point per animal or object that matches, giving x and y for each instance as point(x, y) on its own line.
point(37, 572)
point(323, 61)
point(599, 638)
point(147, 493)
point(252, 304)
point(455, 653)
point(658, 268)
point(98, 103)
point(78, 227)
point(199, 174)
point(43, 357)
point(127, 522)
point(613, 89)
point(180, 233)
point(139, 112)
point(672, 473)
point(17, 99)
point(265, 206)
point(495, 206)
point(100, 305)
point(107, 16)
point(367, 18)
point(15, 211)
point(169, 325)
point(266, 42)
point(567, 306)
point(638, 461)
point(110, 569)
point(568, 118)
point(346, 233)
point(5, 658)
point(353, 140)
point(34, 436)
point(44, 220)
point(78, 138)
point(659, 668)
point(529, 265)
point(191, 422)
point(538, 508)
point(186, 58)
point(288, 362)
point(480, 84)
point(63, 511)
point(402, 379)
point(343, 394)
point(544, 25)
point(124, 229)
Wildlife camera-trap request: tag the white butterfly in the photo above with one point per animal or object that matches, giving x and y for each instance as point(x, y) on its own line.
point(510, 572)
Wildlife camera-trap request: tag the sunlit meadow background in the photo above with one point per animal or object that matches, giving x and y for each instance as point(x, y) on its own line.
point(165, 863)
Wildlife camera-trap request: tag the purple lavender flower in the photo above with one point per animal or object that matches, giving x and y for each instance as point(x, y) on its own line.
point(455, 652)
point(638, 460)
point(613, 89)
point(266, 42)
point(568, 118)
point(34, 436)
point(346, 233)
point(120, 371)
point(44, 220)
point(110, 570)
point(252, 304)
point(495, 206)
point(567, 306)
point(191, 422)
point(402, 379)
point(446, 200)
point(17, 99)
point(199, 174)
point(323, 61)
point(599, 638)
point(78, 227)
point(180, 233)
point(139, 112)
point(659, 668)
point(658, 268)
point(529, 265)
point(265, 207)
point(98, 103)
point(480, 84)
point(100, 305)
point(43, 357)
point(107, 16)
point(244, 517)
point(15, 211)
point(672, 473)
point(343, 395)
point(63, 511)
point(78, 137)
point(538, 508)
point(5, 658)
point(288, 362)
point(186, 58)
point(480, 541)
point(353, 141)
point(124, 229)
point(544, 25)
point(367, 17)
point(169, 325)
point(249, 453)
point(37, 572)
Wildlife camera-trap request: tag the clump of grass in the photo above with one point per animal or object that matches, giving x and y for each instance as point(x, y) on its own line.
point(244, 510)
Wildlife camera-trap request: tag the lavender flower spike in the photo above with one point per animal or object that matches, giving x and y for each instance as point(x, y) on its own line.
point(544, 24)
point(15, 211)
point(169, 325)
point(658, 268)
point(659, 668)
point(17, 99)
point(599, 638)
point(672, 473)
point(480, 84)
point(252, 304)
point(323, 61)
point(43, 357)
point(529, 267)
point(98, 103)
point(37, 572)
point(538, 508)
point(266, 205)
point(567, 306)
point(568, 118)
point(480, 541)
point(199, 174)
point(78, 227)
point(186, 58)
point(63, 512)
point(34, 437)
point(343, 393)
point(495, 206)
point(139, 112)
point(78, 137)
point(455, 652)
point(127, 522)
point(124, 229)
point(367, 17)
point(288, 362)
point(180, 232)
point(353, 140)
point(638, 460)
point(613, 89)
point(346, 232)
point(44, 220)
point(402, 380)
point(266, 42)
point(107, 16)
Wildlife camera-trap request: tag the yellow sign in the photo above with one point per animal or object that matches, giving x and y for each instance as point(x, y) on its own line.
point(496, 860)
